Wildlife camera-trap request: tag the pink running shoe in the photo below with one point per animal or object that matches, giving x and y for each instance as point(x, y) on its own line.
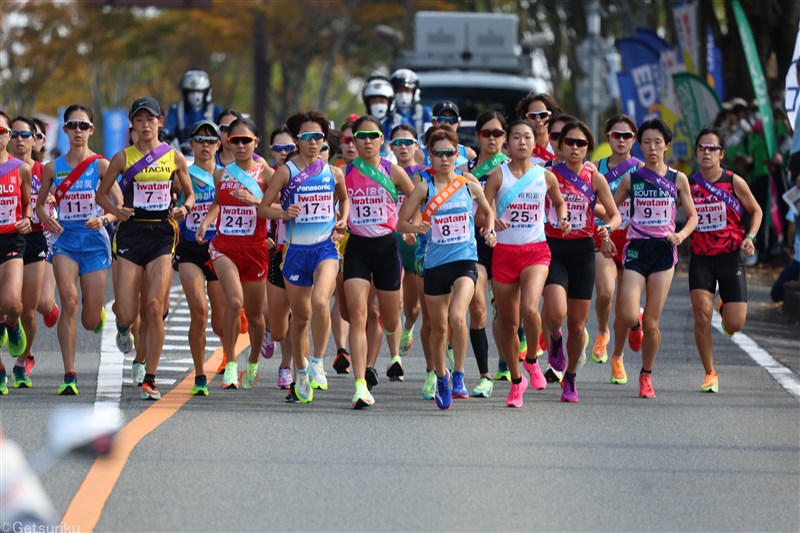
point(267, 346)
point(284, 378)
point(30, 362)
point(515, 394)
point(538, 381)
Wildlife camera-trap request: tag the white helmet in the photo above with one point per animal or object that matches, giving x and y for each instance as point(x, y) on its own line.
point(196, 80)
point(377, 86)
point(406, 79)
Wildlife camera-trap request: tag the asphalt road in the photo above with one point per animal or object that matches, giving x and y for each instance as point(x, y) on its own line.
point(246, 460)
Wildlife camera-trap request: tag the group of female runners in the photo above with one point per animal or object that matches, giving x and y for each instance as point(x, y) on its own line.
point(426, 233)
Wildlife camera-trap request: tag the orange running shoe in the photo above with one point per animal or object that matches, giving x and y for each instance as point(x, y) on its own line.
point(600, 348)
point(646, 386)
point(221, 368)
point(243, 324)
point(635, 334)
point(542, 345)
point(711, 384)
point(618, 375)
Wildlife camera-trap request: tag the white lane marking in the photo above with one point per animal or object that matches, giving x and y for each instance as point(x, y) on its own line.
point(168, 368)
point(112, 363)
point(784, 376)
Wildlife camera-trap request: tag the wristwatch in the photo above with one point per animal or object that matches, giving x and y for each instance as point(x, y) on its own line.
point(105, 221)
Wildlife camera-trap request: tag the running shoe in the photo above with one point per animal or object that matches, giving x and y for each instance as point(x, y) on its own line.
point(515, 394)
point(267, 346)
point(722, 322)
point(459, 390)
point(443, 398)
point(124, 341)
point(137, 373)
point(341, 363)
point(542, 345)
point(221, 367)
point(600, 348)
point(618, 375)
point(537, 381)
point(371, 375)
point(229, 380)
point(250, 376)
point(555, 355)
point(406, 341)
point(244, 326)
point(646, 386)
point(17, 341)
point(102, 324)
point(51, 318)
point(3, 336)
point(523, 347)
point(711, 384)
point(3, 383)
point(149, 391)
point(502, 373)
point(21, 380)
point(451, 358)
point(362, 398)
point(484, 388)
point(429, 388)
point(582, 361)
point(284, 378)
point(316, 371)
point(569, 393)
point(291, 397)
point(30, 362)
point(395, 371)
point(302, 388)
point(635, 334)
point(200, 386)
point(69, 387)
point(552, 375)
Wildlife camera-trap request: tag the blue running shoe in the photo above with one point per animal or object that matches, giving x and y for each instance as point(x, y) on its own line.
point(443, 396)
point(459, 390)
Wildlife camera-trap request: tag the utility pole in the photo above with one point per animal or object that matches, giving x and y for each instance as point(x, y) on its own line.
point(593, 12)
point(260, 72)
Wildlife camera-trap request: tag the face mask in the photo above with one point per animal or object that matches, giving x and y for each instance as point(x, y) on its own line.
point(404, 100)
point(195, 99)
point(378, 110)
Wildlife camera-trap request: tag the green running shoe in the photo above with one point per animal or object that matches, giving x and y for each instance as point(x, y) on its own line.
point(200, 386)
point(406, 341)
point(3, 337)
point(250, 376)
point(17, 341)
point(229, 380)
point(3, 383)
point(303, 389)
point(21, 379)
point(429, 388)
point(102, 324)
point(451, 358)
point(484, 388)
point(69, 387)
point(362, 398)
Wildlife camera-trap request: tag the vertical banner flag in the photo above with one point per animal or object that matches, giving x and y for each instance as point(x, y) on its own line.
point(714, 74)
point(699, 103)
point(642, 63)
point(757, 76)
point(792, 103)
point(115, 130)
point(62, 143)
point(686, 16)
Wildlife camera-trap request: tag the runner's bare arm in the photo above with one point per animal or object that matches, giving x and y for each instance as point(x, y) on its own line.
point(401, 180)
point(411, 206)
point(41, 211)
point(104, 200)
point(685, 193)
point(603, 192)
point(276, 184)
point(558, 202)
point(23, 225)
point(748, 201)
point(340, 194)
point(182, 177)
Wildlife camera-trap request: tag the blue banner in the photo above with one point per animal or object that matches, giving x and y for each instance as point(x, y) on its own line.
point(642, 65)
point(715, 77)
point(62, 141)
point(652, 39)
point(115, 131)
point(630, 103)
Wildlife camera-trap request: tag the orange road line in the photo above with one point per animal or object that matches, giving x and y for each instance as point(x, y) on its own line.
point(87, 505)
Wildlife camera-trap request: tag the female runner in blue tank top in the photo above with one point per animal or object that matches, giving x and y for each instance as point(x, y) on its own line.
point(82, 252)
point(451, 256)
point(309, 190)
point(655, 191)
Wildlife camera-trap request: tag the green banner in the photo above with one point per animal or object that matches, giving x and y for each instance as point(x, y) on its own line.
point(757, 75)
point(698, 102)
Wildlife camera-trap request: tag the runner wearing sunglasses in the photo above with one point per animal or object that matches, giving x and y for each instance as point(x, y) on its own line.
point(371, 257)
point(192, 260)
point(146, 235)
point(521, 258)
point(446, 114)
point(405, 145)
point(36, 294)
point(621, 133)
point(239, 249)
point(309, 191)
point(540, 109)
point(280, 144)
point(82, 252)
point(655, 190)
point(447, 196)
point(721, 198)
point(570, 282)
point(15, 222)
point(225, 155)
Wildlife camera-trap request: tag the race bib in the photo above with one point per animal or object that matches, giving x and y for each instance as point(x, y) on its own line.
point(316, 207)
point(400, 199)
point(576, 215)
point(523, 215)
point(237, 220)
point(151, 196)
point(75, 206)
point(712, 216)
point(367, 210)
point(8, 211)
point(450, 229)
point(651, 211)
point(625, 213)
point(196, 216)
